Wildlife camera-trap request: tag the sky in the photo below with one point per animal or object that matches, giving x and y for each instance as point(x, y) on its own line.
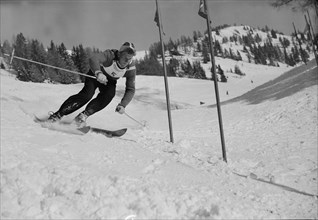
point(106, 24)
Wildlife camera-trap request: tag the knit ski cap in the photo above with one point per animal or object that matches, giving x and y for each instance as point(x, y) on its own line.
point(128, 47)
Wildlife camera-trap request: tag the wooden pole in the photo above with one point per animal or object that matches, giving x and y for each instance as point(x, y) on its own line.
point(312, 33)
point(215, 84)
point(43, 64)
point(165, 75)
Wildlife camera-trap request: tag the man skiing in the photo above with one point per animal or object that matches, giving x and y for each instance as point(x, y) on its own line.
point(107, 67)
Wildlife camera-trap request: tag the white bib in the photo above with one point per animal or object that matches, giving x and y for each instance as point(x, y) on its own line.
point(114, 71)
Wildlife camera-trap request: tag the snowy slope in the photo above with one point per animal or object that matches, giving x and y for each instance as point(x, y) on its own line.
point(191, 54)
point(244, 30)
point(49, 174)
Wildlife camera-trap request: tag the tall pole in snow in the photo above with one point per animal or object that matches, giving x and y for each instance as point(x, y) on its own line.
point(312, 35)
point(158, 21)
point(204, 12)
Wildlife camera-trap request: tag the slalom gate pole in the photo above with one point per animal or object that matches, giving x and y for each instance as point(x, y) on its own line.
point(218, 104)
point(312, 34)
point(165, 74)
point(134, 120)
point(43, 64)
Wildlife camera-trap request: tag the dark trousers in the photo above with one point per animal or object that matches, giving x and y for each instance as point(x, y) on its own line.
point(104, 97)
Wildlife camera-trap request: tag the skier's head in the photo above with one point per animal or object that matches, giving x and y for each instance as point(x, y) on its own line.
point(129, 48)
point(126, 53)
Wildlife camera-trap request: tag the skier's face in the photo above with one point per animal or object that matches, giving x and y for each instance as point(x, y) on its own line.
point(125, 58)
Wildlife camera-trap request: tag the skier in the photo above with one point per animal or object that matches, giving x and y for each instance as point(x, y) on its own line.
point(107, 67)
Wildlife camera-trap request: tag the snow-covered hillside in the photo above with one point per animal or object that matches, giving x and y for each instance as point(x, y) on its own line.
point(239, 40)
point(52, 175)
point(245, 30)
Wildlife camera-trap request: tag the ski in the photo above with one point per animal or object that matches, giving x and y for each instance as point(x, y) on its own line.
point(107, 133)
point(68, 128)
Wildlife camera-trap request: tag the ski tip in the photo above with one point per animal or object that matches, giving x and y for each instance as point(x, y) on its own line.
point(39, 120)
point(119, 133)
point(85, 129)
point(109, 133)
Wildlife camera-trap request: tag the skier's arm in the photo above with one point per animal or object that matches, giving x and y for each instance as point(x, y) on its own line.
point(97, 59)
point(130, 87)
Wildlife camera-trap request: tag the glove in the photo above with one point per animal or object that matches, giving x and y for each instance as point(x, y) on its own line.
point(120, 109)
point(100, 77)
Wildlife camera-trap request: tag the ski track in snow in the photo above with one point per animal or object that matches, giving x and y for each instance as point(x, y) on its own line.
point(52, 175)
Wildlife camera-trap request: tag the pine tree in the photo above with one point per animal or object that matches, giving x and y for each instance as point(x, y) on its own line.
point(199, 47)
point(195, 36)
point(83, 61)
point(285, 42)
point(170, 46)
point(291, 60)
point(75, 56)
point(56, 59)
point(38, 73)
point(286, 57)
point(199, 72)
point(245, 49)
point(6, 48)
point(225, 40)
point(217, 47)
point(280, 55)
point(22, 49)
point(231, 54)
point(262, 55)
point(205, 53)
point(53, 60)
point(238, 57)
point(305, 55)
point(226, 53)
point(221, 72)
point(249, 57)
point(155, 50)
point(238, 71)
point(212, 75)
point(295, 54)
point(187, 69)
point(80, 59)
point(66, 57)
point(257, 38)
point(273, 33)
point(172, 67)
point(149, 66)
point(266, 28)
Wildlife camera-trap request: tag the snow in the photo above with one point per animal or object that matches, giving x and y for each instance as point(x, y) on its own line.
point(244, 30)
point(270, 133)
point(140, 55)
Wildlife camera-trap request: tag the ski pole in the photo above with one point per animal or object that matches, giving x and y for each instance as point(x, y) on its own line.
point(43, 64)
point(134, 119)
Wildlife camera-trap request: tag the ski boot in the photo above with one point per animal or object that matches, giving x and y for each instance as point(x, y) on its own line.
point(54, 117)
point(80, 119)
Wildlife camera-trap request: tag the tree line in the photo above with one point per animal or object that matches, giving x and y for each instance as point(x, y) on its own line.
point(256, 49)
point(55, 55)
